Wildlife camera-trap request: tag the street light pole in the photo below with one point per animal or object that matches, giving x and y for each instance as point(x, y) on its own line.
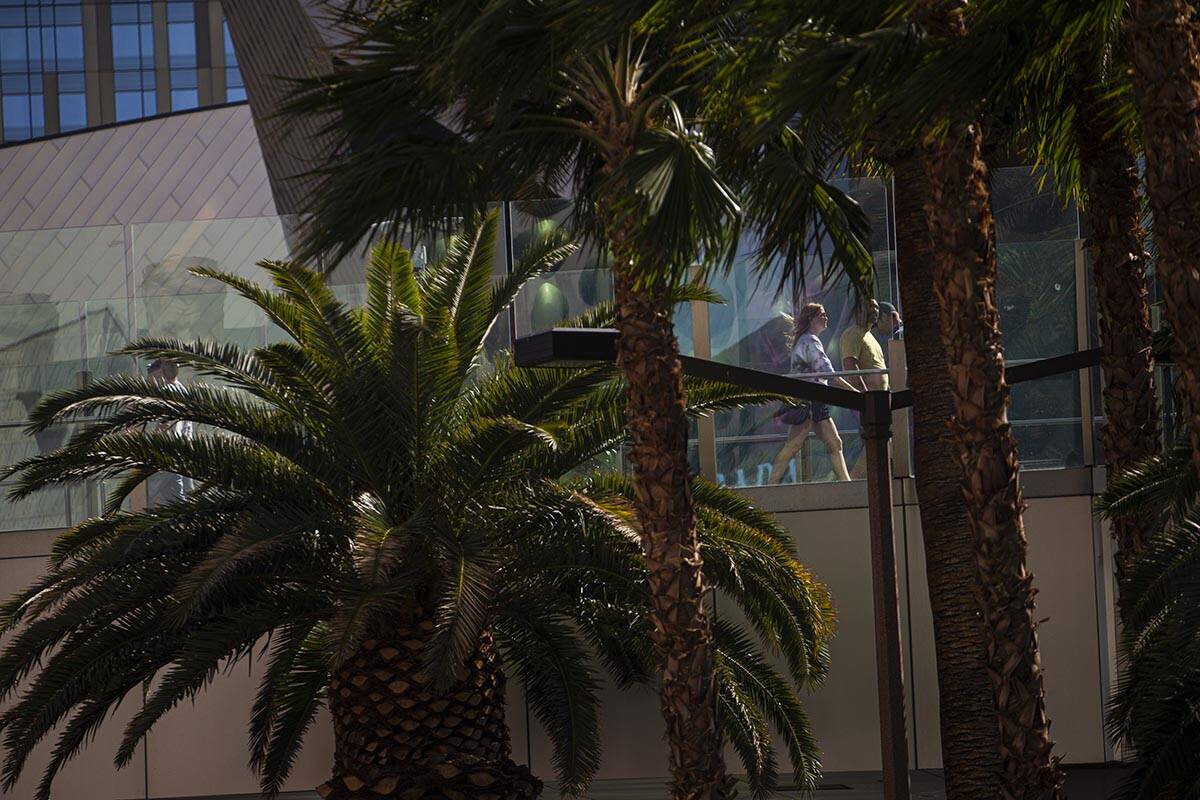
point(876, 431)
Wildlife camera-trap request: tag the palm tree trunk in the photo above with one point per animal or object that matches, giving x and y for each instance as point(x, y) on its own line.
point(648, 355)
point(962, 242)
point(396, 736)
point(970, 737)
point(1119, 258)
point(1166, 77)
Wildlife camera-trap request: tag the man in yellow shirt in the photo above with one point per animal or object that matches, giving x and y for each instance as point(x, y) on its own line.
point(860, 350)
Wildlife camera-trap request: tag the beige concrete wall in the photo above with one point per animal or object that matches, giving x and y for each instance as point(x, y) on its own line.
point(1062, 559)
point(200, 749)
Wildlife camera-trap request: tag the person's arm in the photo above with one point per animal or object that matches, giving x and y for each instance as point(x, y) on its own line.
point(846, 384)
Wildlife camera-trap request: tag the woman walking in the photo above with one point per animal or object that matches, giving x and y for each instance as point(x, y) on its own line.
point(808, 356)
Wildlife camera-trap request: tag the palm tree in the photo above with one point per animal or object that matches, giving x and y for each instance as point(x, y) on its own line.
point(1067, 98)
point(443, 107)
point(869, 66)
point(970, 738)
point(1119, 259)
point(1154, 709)
point(396, 525)
point(1166, 76)
point(963, 245)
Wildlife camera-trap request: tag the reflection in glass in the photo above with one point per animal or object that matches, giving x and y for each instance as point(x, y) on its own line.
point(753, 330)
point(1036, 293)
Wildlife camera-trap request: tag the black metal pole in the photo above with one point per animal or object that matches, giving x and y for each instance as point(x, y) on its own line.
point(893, 728)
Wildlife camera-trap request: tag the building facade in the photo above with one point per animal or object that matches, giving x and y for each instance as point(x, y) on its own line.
point(67, 65)
point(99, 225)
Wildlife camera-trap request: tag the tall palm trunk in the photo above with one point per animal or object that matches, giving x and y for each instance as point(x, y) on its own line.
point(1166, 77)
point(962, 243)
point(970, 736)
point(1116, 244)
point(396, 736)
point(648, 355)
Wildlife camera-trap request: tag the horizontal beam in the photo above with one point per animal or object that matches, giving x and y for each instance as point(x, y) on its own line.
point(561, 347)
point(1029, 371)
point(564, 347)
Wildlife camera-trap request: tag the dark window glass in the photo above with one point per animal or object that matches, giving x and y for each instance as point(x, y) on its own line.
point(127, 51)
point(181, 12)
point(184, 79)
point(230, 53)
point(124, 12)
point(17, 122)
point(68, 14)
point(134, 105)
point(235, 94)
point(181, 44)
point(183, 99)
point(72, 112)
point(69, 44)
point(71, 83)
point(12, 50)
point(33, 44)
point(129, 105)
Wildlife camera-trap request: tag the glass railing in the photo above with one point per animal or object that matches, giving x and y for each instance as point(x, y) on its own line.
point(68, 298)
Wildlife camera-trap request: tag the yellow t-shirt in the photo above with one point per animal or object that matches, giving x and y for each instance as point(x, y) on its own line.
point(861, 345)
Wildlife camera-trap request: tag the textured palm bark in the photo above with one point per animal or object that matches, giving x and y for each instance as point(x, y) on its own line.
point(970, 736)
point(1117, 247)
point(964, 258)
point(397, 737)
point(962, 242)
point(648, 355)
point(1166, 79)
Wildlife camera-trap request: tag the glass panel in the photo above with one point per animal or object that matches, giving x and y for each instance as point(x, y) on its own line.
point(230, 53)
point(180, 12)
point(13, 57)
point(1036, 293)
point(127, 48)
point(754, 330)
point(69, 46)
point(128, 105)
point(72, 112)
point(181, 44)
point(17, 121)
point(581, 281)
point(182, 99)
point(58, 323)
point(166, 250)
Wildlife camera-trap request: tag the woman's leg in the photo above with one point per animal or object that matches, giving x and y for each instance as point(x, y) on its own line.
point(796, 436)
point(827, 432)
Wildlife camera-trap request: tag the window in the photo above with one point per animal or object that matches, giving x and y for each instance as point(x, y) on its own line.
point(181, 34)
point(133, 60)
point(68, 42)
point(72, 102)
point(133, 36)
point(184, 92)
point(753, 329)
point(13, 57)
point(134, 95)
point(1036, 293)
point(235, 88)
point(24, 115)
point(36, 38)
point(72, 111)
